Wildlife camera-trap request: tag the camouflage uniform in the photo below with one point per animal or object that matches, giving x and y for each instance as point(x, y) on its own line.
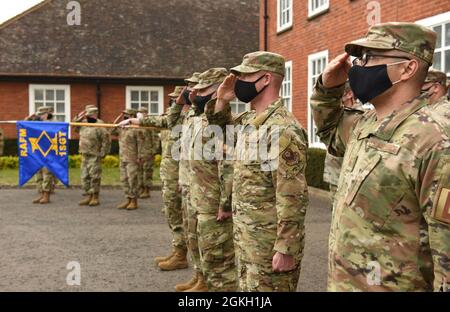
point(129, 149)
point(391, 220)
point(436, 76)
point(94, 144)
point(169, 175)
point(269, 202)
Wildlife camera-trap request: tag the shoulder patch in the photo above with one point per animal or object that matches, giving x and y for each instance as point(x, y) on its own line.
point(291, 157)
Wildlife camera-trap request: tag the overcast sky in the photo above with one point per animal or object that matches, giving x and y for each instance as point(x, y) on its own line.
point(10, 8)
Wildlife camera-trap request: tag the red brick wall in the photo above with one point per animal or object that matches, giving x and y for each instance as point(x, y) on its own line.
point(14, 101)
point(345, 21)
point(13, 104)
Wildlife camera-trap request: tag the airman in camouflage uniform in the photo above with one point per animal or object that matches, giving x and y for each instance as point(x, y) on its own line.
point(436, 87)
point(270, 194)
point(94, 144)
point(391, 215)
point(45, 181)
point(171, 194)
point(129, 149)
point(146, 159)
point(213, 208)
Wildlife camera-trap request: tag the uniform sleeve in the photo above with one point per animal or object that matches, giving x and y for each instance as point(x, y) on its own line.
point(328, 112)
point(433, 187)
point(222, 118)
point(174, 115)
point(76, 119)
point(291, 192)
point(106, 142)
point(226, 184)
point(154, 121)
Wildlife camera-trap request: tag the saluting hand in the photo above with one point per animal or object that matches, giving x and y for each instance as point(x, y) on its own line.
point(226, 90)
point(180, 99)
point(282, 263)
point(336, 72)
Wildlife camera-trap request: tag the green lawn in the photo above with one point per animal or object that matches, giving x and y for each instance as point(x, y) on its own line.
point(110, 176)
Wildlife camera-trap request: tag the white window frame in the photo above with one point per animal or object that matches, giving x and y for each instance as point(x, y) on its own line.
point(437, 20)
point(311, 126)
point(316, 11)
point(287, 79)
point(234, 104)
point(282, 27)
point(67, 104)
point(149, 89)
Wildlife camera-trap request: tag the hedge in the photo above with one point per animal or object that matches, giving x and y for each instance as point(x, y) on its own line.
point(314, 168)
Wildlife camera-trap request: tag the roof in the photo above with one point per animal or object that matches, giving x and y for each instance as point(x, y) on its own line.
point(167, 39)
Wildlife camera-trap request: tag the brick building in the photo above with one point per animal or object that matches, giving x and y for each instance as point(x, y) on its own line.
point(309, 33)
point(115, 53)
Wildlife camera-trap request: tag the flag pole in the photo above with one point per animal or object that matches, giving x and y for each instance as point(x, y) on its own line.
point(97, 125)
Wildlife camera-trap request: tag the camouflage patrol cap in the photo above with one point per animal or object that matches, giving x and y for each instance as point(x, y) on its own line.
point(407, 37)
point(130, 111)
point(210, 77)
point(91, 110)
point(44, 110)
point(176, 92)
point(261, 60)
point(89, 106)
point(435, 75)
point(193, 78)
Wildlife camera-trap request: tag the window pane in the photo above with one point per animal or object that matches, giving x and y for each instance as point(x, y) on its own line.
point(154, 96)
point(135, 96)
point(447, 61)
point(447, 34)
point(60, 95)
point(135, 105)
point(144, 105)
point(144, 96)
point(60, 107)
point(49, 95)
point(154, 108)
point(438, 30)
point(39, 95)
point(37, 105)
point(60, 118)
point(437, 61)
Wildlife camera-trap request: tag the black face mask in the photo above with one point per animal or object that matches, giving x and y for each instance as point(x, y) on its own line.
point(186, 97)
point(200, 103)
point(49, 116)
point(126, 117)
point(246, 91)
point(369, 82)
point(91, 120)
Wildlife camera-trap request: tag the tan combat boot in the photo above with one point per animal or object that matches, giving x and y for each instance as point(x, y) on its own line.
point(188, 285)
point(133, 205)
point(145, 193)
point(162, 259)
point(177, 261)
point(85, 201)
point(94, 200)
point(125, 204)
point(37, 199)
point(200, 286)
point(45, 198)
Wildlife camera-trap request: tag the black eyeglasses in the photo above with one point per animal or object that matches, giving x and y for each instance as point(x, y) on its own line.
point(365, 58)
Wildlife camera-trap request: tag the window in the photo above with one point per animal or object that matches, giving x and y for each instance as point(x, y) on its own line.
point(316, 65)
point(56, 96)
point(238, 107)
point(150, 98)
point(441, 25)
point(286, 88)
point(316, 7)
point(284, 16)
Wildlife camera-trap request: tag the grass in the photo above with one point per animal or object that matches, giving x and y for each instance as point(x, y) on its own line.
point(110, 177)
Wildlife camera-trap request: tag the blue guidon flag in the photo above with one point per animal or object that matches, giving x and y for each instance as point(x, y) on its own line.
point(43, 144)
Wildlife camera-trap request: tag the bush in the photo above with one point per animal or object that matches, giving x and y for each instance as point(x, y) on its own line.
point(157, 161)
point(111, 162)
point(314, 168)
point(9, 162)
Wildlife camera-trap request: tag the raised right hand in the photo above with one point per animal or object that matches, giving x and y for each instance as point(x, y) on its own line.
point(336, 72)
point(226, 90)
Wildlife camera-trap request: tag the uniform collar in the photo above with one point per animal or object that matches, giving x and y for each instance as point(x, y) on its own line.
point(262, 118)
point(386, 129)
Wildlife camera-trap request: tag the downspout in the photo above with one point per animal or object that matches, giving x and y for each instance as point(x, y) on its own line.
point(99, 97)
point(266, 22)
